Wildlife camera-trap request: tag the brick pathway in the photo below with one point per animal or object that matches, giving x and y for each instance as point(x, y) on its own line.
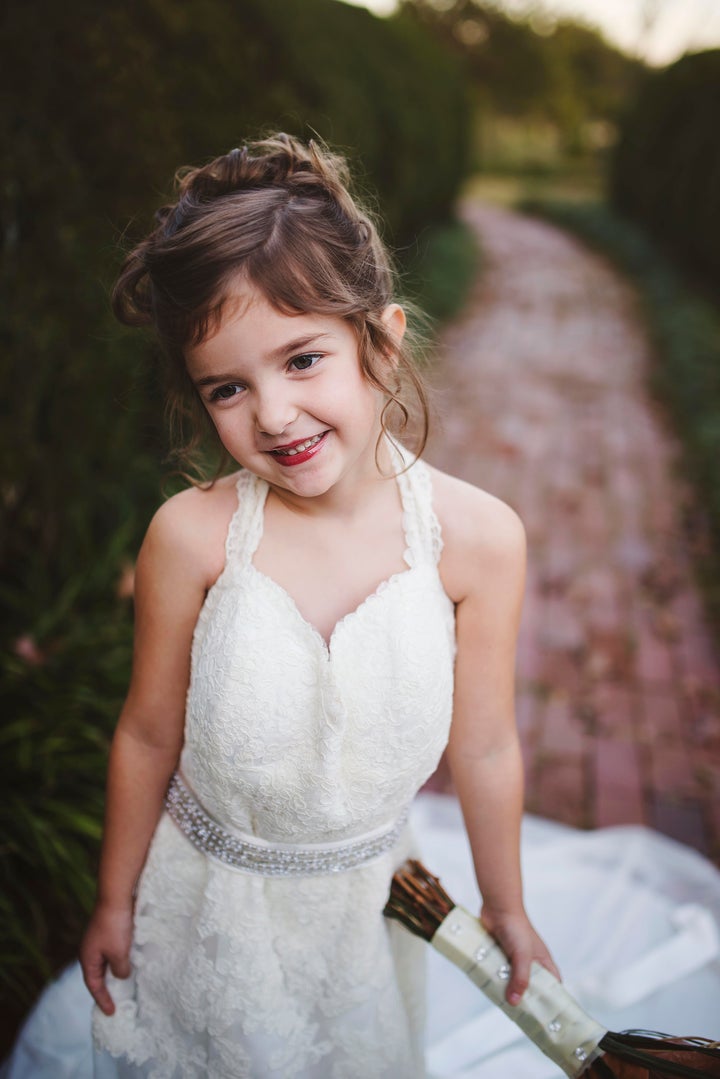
point(543, 402)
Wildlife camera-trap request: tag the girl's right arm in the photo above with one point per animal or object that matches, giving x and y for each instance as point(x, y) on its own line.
point(172, 576)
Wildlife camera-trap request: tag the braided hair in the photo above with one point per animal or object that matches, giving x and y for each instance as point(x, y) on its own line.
point(278, 214)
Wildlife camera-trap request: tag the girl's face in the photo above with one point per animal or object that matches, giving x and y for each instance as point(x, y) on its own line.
point(288, 397)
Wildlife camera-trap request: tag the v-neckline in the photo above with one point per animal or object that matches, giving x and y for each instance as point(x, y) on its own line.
point(262, 491)
point(327, 644)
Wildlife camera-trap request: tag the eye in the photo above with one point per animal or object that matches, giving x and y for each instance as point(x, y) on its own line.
point(226, 392)
point(306, 361)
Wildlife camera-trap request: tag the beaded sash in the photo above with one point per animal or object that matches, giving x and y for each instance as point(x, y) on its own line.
point(254, 855)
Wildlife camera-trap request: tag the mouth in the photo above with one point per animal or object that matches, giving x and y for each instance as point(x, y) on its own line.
point(297, 452)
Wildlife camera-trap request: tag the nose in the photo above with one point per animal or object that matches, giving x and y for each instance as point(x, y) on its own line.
point(274, 410)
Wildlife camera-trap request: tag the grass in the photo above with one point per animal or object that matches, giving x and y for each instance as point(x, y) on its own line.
point(513, 189)
point(439, 271)
point(61, 694)
point(684, 327)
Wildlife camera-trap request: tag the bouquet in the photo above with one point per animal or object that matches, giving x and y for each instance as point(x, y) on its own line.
point(547, 1014)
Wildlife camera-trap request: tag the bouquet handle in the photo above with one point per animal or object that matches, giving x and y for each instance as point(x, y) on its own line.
point(547, 1013)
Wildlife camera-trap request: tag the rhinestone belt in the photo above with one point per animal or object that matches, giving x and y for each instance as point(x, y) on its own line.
point(267, 858)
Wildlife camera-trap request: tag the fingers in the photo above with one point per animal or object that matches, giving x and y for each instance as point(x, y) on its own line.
point(103, 1000)
point(94, 975)
point(522, 945)
point(519, 979)
point(94, 969)
point(120, 966)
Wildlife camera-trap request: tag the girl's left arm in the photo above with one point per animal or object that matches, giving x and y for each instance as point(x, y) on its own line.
point(485, 564)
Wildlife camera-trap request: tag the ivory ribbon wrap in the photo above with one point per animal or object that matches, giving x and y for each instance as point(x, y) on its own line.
point(547, 1013)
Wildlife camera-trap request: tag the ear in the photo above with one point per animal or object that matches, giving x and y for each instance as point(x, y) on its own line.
point(395, 322)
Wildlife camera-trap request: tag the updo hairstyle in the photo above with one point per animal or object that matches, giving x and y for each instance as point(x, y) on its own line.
point(279, 213)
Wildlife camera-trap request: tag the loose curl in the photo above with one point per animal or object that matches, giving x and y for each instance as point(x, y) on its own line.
point(278, 212)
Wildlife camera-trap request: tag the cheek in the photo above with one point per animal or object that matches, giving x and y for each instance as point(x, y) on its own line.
point(361, 406)
point(226, 431)
point(214, 420)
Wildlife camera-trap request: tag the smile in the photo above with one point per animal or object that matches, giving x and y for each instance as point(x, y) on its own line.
point(299, 451)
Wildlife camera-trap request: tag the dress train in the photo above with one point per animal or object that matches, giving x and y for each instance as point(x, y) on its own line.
point(632, 919)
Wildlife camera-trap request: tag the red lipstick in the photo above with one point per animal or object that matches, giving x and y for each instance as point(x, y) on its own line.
point(287, 460)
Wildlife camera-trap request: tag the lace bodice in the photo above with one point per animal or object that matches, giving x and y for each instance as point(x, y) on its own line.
point(294, 741)
point(290, 739)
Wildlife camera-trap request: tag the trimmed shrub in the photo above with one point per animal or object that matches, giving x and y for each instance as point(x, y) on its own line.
point(666, 168)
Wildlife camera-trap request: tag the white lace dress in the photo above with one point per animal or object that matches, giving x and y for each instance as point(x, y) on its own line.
point(295, 742)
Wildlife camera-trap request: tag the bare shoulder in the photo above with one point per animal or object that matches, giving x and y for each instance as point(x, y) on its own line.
point(484, 540)
point(181, 557)
point(188, 532)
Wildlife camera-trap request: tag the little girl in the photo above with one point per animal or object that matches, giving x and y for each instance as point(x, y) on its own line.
point(311, 631)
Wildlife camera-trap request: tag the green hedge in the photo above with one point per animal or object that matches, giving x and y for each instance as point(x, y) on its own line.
point(440, 269)
point(666, 168)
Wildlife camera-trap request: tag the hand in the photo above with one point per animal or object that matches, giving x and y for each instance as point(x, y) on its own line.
point(106, 943)
point(522, 946)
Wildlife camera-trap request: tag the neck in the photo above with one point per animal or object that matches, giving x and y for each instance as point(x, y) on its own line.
point(350, 498)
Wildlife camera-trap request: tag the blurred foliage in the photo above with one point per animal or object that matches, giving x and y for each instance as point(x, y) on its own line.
point(666, 168)
point(102, 102)
point(53, 752)
point(508, 190)
point(685, 328)
point(546, 89)
point(440, 268)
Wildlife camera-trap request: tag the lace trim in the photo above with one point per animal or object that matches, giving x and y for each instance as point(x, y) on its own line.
point(422, 528)
point(246, 523)
point(423, 535)
point(256, 855)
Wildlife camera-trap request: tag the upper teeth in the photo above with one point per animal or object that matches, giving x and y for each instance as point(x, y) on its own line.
point(301, 446)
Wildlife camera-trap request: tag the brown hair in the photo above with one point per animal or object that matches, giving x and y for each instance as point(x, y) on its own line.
point(278, 211)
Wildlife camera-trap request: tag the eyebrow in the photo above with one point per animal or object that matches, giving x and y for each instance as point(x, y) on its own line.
point(276, 354)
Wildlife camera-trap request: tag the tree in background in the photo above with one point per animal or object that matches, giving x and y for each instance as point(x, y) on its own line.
point(666, 167)
point(556, 83)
